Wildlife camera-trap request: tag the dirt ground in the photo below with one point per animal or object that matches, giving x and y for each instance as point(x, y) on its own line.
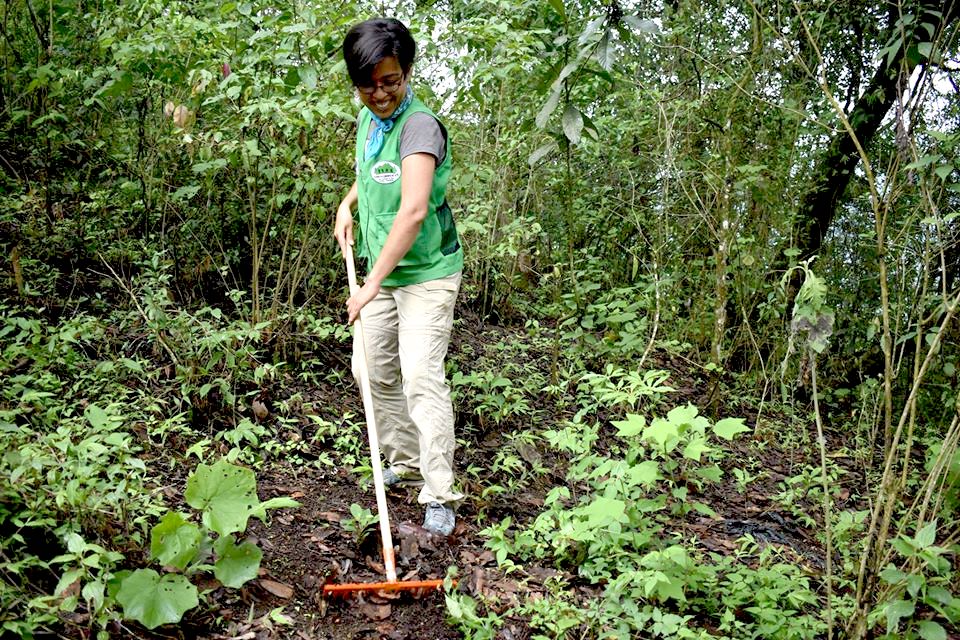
point(306, 547)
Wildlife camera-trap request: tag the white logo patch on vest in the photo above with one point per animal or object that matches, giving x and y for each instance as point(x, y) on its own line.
point(385, 172)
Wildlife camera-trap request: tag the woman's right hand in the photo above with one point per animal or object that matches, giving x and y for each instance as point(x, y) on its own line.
point(343, 227)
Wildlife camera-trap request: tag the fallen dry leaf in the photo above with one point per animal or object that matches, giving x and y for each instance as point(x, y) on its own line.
point(376, 611)
point(330, 516)
point(373, 564)
point(504, 586)
point(479, 580)
point(383, 596)
point(542, 574)
point(76, 618)
point(208, 584)
point(531, 499)
point(409, 548)
point(278, 589)
point(420, 536)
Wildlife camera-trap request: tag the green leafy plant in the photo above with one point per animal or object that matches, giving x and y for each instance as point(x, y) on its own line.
point(361, 523)
point(620, 387)
point(476, 620)
point(920, 600)
point(72, 485)
point(765, 597)
point(683, 431)
point(494, 396)
point(225, 496)
point(743, 478)
point(90, 565)
point(805, 487)
point(651, 584)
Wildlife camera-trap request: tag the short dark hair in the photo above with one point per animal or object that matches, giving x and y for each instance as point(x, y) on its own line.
point(370, 41)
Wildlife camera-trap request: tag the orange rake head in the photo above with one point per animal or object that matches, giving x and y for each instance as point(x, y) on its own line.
point(408, 585)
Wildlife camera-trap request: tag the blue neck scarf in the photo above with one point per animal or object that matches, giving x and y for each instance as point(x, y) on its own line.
point(382, 127)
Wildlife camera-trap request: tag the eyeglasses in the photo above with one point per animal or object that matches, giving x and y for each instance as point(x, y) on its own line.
point(388, 87)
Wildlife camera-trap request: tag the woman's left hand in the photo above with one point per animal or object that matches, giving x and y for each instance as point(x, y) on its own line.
point(359, 300)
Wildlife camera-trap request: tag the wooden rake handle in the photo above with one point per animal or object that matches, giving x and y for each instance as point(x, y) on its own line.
point(389, 561)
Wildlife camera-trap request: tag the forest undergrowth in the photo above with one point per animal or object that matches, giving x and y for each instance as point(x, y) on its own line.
point(603, 501)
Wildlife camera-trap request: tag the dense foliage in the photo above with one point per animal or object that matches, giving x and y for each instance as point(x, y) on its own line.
point(765, 191)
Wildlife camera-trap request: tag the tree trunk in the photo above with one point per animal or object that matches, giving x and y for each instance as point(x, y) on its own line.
point(835, 167)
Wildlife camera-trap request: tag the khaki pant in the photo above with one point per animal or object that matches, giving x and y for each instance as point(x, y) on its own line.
point(406, 334)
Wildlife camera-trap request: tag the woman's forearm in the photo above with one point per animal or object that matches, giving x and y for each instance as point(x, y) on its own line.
point(350, 200)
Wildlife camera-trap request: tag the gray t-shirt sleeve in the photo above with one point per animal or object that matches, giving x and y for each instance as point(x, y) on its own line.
point(422, 133)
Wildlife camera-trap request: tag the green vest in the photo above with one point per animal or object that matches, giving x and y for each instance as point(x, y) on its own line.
point(436, 252)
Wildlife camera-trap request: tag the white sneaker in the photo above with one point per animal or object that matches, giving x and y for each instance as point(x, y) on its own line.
point(439, 519)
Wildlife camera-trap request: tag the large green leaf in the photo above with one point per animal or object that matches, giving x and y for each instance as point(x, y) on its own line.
point(927, 535)
point(630, 427)
point(604, 54)
point(226, 495)
point(712, 473)
point(236, 564)
point(98, 418)
point(175, 542)
point(572, 123)
point(565, 73)
point(152, 600)
point(895, 611)
point(696, 448)
point(548, 108)
point(590, 30)
point(641, 24)
point(664, 434)
point(729, 427)
point(541, 152)
point(930, 630)
point(603, 511)
point(645, 473)
point(683, 415)
point(559, 8)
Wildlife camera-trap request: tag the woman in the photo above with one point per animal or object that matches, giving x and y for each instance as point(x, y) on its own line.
point(414, 263)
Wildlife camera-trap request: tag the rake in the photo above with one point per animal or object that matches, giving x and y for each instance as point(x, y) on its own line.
point(389, 561)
